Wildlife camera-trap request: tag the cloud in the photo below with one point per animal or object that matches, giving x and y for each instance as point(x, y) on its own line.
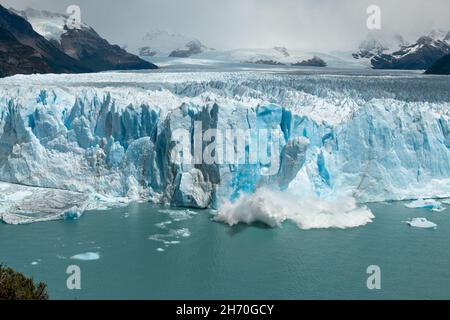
point(305, 24)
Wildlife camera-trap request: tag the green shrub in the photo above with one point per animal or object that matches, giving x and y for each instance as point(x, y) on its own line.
point(15, 286)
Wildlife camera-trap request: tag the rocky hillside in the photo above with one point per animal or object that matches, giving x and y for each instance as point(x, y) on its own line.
point(28, 48)
point(18, 58)
point(83, 43)
point(442, 66)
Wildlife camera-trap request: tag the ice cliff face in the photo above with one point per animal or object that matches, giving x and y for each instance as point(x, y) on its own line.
point(111, 135)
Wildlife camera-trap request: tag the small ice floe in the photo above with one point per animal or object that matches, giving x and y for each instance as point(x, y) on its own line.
point(179, 215)
point(87, 256)
point(170, 235)
point(184, 232)
point(163, 225)
point(36, 262)
point(431, 204)
point(421, 223)
point(160, 250)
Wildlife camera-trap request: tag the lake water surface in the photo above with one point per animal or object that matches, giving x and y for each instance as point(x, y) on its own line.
point(147, 252)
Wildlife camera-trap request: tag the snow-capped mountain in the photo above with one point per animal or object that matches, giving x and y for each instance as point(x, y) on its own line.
point(191, 48)
point(164, 44)
point(50, 25)
point(282, 56)
point(82, 42)
point(284, 51)
point(275, 55)
point(418, 55)
point(161, 43)
point(26, 51)
point(313, 62)
point(440, 35)
point(377, 43)
point(353, 139)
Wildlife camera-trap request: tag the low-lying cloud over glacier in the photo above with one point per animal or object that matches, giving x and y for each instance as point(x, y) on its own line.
point(301, 24)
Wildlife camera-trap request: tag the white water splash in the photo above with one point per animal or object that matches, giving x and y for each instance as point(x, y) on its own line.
point(274, 207)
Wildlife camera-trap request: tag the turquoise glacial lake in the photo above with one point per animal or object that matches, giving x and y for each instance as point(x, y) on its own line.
point(149, 252)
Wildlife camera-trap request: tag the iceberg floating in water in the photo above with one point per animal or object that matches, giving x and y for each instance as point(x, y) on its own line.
point(343, 141)
point(421, 223)
point(87, 256)
point(431, 204)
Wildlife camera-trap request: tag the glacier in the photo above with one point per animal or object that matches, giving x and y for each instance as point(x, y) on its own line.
point(88, 141)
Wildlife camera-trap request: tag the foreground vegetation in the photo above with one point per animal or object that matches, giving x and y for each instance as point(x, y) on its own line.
point(15, 286)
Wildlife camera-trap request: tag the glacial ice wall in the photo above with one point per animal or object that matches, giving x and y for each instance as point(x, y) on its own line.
point(370, 138)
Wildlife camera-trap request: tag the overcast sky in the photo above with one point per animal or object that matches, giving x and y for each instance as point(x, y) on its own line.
point(302, 24)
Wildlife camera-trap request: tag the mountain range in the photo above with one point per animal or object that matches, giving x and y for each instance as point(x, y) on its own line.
point(162, 43)
point(378, 43)
point(34, 41)
point(398, 54)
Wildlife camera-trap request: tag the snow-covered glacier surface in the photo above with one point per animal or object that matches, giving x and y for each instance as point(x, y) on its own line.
point(69, 143)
